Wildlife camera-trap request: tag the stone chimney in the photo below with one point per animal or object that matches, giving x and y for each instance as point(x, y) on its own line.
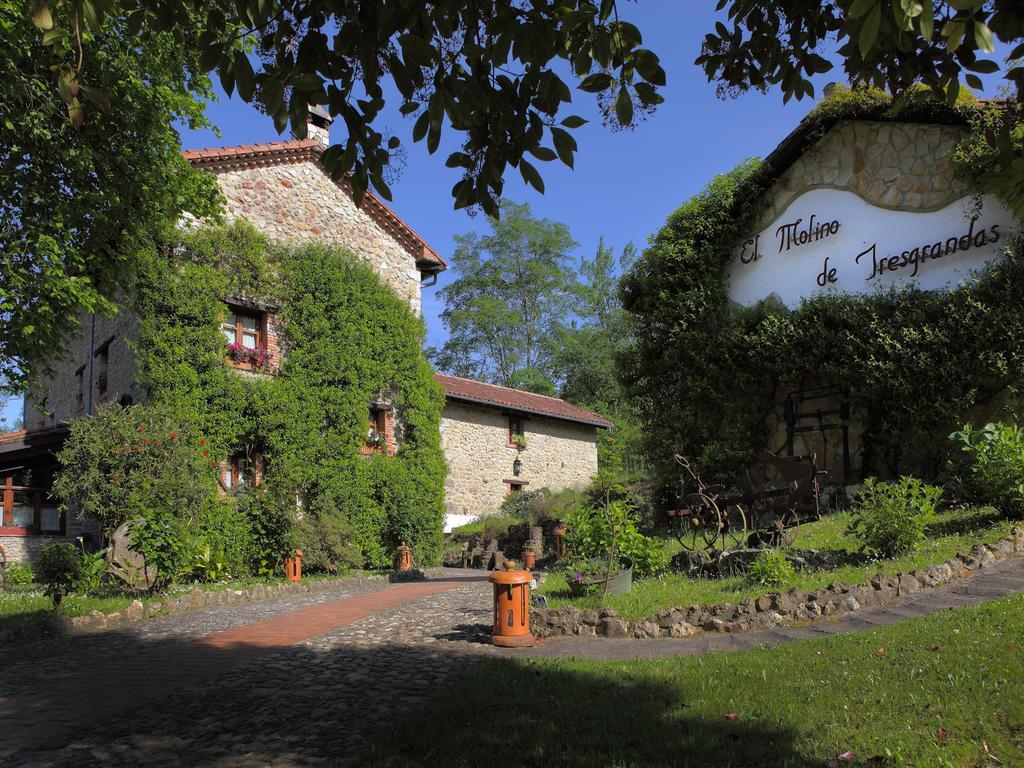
point(318, 125)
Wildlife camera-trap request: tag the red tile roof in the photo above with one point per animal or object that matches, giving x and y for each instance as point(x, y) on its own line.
point(274, 152)
point(458, 388)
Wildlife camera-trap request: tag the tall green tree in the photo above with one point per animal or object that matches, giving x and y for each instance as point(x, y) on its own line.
point(585, 349)
point(78, 204)
point(514, 291)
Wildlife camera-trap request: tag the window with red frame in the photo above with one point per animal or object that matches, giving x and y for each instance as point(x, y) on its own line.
point(376, 428)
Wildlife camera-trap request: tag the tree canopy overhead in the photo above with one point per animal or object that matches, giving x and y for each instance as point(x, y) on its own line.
point(489, 69)
point(892, 44)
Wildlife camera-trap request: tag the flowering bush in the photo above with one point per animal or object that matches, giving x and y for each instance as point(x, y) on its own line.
point(990, 467)
point(375, 438)
point(258, 358)
point(123, 461)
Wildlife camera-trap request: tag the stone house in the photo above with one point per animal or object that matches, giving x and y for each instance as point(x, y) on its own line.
point(284, 192)
point(499, 441)
point(869, 204)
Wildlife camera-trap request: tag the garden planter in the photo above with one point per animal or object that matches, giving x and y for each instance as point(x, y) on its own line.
point(619, 584)
point(529, 559)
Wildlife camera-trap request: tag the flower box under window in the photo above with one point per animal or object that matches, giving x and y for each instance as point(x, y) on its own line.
point(245, 333)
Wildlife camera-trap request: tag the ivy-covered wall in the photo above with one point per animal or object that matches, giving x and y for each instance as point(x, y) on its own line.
point(709, 375)
point(348, 340)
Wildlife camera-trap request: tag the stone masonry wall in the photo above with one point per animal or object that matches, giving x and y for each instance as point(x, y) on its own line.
point(297, 201)
point(903, 166)
point(559, 454)
point(55, 399)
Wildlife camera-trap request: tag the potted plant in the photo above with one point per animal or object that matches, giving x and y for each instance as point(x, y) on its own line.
point(587, 576)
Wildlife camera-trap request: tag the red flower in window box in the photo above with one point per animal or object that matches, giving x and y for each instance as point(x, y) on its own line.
point(257, 358)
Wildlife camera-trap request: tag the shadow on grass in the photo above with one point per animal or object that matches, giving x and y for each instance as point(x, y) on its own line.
point(964, 524)
point(514, 714)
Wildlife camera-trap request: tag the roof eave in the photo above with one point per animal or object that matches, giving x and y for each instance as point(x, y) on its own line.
point(598, 422)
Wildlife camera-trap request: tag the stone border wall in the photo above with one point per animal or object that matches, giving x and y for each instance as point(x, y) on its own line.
point(775, 608)
point(172, 605)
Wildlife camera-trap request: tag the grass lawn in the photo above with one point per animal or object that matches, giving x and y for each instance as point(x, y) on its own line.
point(953, 531)
point(945, 686)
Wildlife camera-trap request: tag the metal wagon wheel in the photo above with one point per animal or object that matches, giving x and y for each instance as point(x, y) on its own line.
point(733, 527)
point(700, 527)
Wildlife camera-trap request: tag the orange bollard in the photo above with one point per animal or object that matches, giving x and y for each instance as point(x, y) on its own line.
point(512, 609)
point(293, 567)
point(403, 555)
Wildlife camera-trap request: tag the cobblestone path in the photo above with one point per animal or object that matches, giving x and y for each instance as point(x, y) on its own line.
point(293, 682)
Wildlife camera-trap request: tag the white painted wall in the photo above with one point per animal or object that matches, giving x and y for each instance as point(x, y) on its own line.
point(866, 247)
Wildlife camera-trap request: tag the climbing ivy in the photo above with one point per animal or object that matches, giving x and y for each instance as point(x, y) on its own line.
point(349, 339)
point(706, 374)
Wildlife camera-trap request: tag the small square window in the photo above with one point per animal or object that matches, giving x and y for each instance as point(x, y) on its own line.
point(516, 435)
point(515, 488)
point(243, 328)
point(239, 471)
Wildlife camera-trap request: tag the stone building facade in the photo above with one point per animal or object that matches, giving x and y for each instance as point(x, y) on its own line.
point(283, 191)
point(556, 447)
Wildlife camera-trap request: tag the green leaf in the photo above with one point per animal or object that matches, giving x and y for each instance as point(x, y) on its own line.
point(953, 31)
point(869, 32)
point(565, 145)
point(975, 82)
point(599, 81)
point(860, 7)
point(531, 176)
point(41, 16)
point(624, 107)
point(983, 37)
point(573, 121)
point(926, 21)
point(245, 78)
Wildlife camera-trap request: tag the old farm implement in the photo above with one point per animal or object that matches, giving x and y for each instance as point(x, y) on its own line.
point(754, 517)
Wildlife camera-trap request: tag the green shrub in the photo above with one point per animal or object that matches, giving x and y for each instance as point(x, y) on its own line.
point(94, 569)
point(59, 567)
point(269, 514)
point(771, 568)
point(164, 543)
point(557, 505)
point(327, 539)
point(16, 574)
point(122, 461)
point(520, 505)
point(889, 519)
point(223, 526)
point(990, 467)
point(590, 532)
